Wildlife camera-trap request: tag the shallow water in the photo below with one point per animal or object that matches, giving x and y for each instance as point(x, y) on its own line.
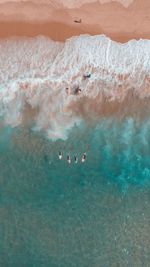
point(93, 214)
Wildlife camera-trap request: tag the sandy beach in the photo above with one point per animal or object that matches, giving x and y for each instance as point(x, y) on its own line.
point(57, 22)
point(87, 99)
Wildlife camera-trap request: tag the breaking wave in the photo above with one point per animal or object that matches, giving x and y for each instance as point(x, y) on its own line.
point(34, 73)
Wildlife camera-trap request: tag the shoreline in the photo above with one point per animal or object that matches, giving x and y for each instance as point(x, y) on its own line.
point(58, 31)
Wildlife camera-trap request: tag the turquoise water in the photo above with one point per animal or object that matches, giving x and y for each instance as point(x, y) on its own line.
point(94, 214)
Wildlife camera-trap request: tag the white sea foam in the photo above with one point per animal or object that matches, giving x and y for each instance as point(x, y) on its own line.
point(34, 72)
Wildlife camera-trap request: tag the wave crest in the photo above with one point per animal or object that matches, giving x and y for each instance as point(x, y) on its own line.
point(35, 72)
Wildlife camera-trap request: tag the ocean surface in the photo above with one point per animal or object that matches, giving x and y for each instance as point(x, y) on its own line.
point(91, 214)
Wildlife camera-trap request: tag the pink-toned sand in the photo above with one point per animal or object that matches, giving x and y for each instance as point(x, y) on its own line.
point(57, 21)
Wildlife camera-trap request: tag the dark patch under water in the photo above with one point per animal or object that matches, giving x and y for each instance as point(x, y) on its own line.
point(95, 214)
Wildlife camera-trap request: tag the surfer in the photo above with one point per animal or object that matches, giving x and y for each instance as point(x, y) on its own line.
point(83, 158)
point(86, 76)
point(68, 159)
point(75, 159)
point(45, 158)
point(77, 91)
point(60, 155)
point(68, 91)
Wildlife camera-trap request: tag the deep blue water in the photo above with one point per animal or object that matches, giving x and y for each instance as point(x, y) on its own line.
point(94, 214)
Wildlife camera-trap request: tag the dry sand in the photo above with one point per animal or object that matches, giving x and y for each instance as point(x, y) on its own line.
point(112, 19)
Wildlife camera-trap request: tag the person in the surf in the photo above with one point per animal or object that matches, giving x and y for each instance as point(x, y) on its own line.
point(45, 158)
point(77, 91)
point(75, 159)
point(68, 91)
point(86, 76)
point(83, 158)
point(77, 20)
point(68, 159)
point(60, 155)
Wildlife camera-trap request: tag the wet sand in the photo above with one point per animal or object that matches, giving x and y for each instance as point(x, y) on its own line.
point(112, 19)
point(58, 31)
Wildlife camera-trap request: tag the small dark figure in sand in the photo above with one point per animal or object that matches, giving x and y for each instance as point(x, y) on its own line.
point(86, 76)
point(77, 20)
point(68, 159)
point(60, 155)
point(83, 157)
point(75, 159)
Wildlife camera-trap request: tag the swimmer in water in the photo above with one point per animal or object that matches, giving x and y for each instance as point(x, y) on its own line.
point(83, 157)
point(86, 76)
point(75, 159)
point(68, 159)
point(60, 155)
point(45, 158)
point(77, 91)
point(68, 91)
